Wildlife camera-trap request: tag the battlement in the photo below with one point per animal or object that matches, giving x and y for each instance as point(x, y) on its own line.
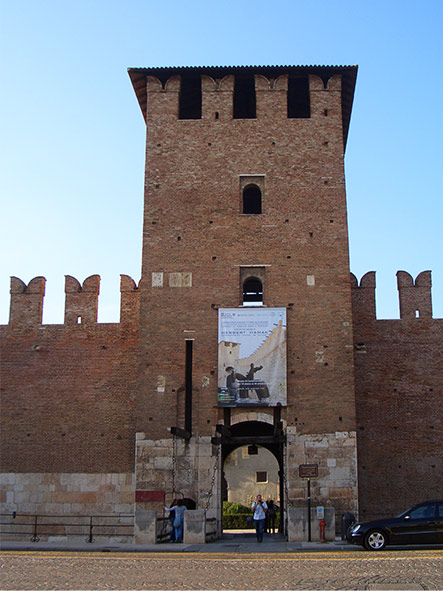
point(415, 297)
point(81, 301)
point(229, 93)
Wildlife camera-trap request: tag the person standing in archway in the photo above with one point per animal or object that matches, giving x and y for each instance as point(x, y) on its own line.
point(259, 509)
point(270, 516)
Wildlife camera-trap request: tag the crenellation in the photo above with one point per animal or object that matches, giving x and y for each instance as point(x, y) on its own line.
point(153, 84)
point(415, 297)
point(334, 83)
point(316, 83)
point(129, 301)
point(26, 306)
point(81, 301)
point(218, 93)
point(271, 98)
point(363, 297)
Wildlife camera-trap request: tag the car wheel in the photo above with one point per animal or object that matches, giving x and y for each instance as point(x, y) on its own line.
point(375, 540)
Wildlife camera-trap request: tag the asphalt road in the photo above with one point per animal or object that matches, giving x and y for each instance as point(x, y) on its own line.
point(387, 570)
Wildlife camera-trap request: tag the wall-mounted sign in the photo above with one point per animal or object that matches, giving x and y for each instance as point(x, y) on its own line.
point(252, 356)
point(308, 470)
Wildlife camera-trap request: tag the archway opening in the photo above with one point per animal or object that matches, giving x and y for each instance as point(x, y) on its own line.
point(252, 465)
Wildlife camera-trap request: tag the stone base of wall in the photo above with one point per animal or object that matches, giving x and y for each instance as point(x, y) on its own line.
point(178, 469)
point(145, 531)
point(336, 457)
point(298, 526)
point(109, 499)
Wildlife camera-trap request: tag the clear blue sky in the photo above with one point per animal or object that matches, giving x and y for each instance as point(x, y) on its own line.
point(72, 134)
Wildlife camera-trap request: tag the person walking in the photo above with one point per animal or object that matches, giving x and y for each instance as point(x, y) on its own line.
point(259, 509)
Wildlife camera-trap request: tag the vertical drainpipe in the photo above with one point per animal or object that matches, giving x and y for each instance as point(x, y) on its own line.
point(188, 387)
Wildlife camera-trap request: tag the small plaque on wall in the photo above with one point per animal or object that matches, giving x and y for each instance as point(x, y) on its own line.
point(308, 470)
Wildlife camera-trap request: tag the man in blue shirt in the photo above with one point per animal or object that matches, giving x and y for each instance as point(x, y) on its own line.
point(259, 508)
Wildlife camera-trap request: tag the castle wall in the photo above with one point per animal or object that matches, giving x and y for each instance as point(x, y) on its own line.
point(399, 399)
point(67, 399)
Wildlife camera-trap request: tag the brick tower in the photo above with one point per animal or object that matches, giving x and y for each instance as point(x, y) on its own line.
point(245, 211)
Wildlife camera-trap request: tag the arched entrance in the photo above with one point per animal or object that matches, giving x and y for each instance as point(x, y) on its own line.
point(250, 470)
point(252, 434)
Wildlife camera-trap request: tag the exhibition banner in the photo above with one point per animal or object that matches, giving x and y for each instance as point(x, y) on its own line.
point(251, 356)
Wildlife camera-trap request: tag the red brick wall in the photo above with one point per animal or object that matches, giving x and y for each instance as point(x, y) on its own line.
point(193, 223)
point(399, 403)
point(67, 393)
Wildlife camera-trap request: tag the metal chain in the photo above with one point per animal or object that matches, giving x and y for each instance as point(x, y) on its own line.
point(285, 474)
point(285, 484)
point(174, 463)
point(214, 474)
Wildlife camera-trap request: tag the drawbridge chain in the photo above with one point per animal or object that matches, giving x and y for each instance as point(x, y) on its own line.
point(174, 463)
point(214, 475)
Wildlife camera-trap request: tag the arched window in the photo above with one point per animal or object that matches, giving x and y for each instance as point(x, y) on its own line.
point(251, 199)
point(253, 292)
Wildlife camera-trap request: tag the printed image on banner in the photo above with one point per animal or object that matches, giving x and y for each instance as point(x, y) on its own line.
point(251, 356)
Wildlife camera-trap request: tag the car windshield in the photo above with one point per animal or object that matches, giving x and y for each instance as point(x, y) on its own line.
point(420, 512)
point(403, 513)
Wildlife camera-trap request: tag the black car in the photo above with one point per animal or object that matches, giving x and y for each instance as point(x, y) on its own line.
point(421, 524)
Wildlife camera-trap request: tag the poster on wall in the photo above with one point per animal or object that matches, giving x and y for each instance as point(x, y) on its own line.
point(251, 356)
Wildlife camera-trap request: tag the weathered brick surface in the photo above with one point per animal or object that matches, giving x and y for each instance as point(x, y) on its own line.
point(399, 402)
point(193, 223)
point(68, 396)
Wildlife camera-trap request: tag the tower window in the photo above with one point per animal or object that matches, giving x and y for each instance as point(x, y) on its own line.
point(252, 193)
point(253, 292)
point(252, 285)
point(261, 476)
point(190, 100)
point(244, 97)
point(251, 199)
point(299, 103)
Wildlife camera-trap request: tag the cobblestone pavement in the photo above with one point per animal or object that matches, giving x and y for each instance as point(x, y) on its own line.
point(406, 570)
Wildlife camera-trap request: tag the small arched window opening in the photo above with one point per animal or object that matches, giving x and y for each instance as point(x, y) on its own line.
point(251, 199)
point(253, 292)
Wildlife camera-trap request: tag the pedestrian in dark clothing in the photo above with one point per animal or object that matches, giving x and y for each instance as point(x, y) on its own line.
point(270, 516)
